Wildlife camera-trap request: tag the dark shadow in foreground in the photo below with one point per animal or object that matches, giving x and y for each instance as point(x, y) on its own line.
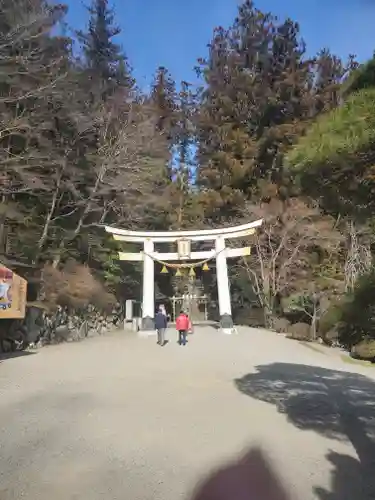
point(14, 354)
point(249, 478)
point(338, 405)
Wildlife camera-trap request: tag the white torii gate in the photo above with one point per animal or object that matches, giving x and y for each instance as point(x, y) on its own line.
point(184, 239)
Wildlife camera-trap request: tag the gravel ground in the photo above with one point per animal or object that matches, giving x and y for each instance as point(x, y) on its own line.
point(118, 417)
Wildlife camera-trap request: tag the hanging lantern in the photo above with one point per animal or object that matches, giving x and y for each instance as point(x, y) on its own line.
point(164, 270)
point(192, 272)
point(205, 267)
point(178, 272)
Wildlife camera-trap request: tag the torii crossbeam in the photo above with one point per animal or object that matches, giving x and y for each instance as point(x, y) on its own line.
point(184, 239)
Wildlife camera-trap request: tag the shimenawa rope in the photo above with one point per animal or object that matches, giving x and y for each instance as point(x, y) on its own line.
point(184, 264)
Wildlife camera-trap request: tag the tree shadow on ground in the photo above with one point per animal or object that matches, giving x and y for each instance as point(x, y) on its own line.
point(336, 404)
point(14, 354)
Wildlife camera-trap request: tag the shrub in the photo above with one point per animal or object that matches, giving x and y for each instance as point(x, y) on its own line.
point(75, 287)
point(300, 331)
point(331, 337)
point(365, 350)
point(281, 325)
point(358, 313)
point(298, 308)
point(330, 319)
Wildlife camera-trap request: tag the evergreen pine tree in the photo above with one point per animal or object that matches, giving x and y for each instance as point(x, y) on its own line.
point(104, 59)
point(183, 162)
point(260, 93)
point(223, 146)
point(163, 98)
point(334, 160)
point(329, 73)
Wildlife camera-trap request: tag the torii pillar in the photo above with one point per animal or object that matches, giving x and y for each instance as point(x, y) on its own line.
point(223, 287)
point(148, 289)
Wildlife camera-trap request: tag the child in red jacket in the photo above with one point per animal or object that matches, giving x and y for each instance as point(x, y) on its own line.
point(182, 326)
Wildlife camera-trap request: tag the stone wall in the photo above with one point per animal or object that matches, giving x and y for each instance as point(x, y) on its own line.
point(41, 327)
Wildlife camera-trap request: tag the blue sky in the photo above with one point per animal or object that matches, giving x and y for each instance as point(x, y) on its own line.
point(174, 33)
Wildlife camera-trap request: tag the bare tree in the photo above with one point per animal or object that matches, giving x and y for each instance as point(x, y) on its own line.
point(313, 303)
point(125, 162)
point(121, 181)
point(31, 66)
point(281, 252)
point(31, 69)
point(358, 258)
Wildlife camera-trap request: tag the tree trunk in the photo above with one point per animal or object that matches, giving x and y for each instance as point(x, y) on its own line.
point(50, 213)
point(269, 317)
point(2, 234)
point(313, 327)
point(88, 205)
point(57, 258)
point(3, 230)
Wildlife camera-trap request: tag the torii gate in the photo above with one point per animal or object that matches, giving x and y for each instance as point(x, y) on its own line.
point(184, 239)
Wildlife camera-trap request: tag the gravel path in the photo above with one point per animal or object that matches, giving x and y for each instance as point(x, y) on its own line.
point(118, 417)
